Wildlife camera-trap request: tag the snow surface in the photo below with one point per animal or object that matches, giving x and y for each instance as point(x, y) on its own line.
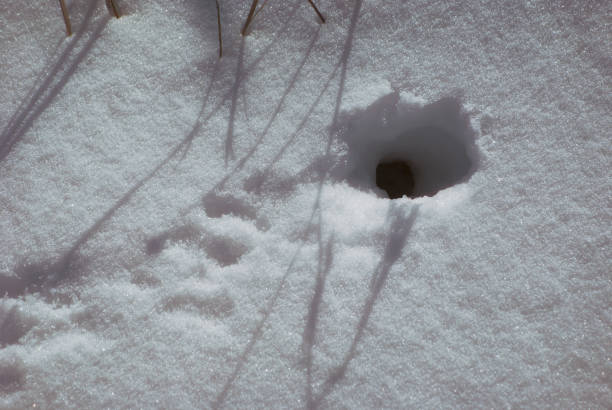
point(179, 231)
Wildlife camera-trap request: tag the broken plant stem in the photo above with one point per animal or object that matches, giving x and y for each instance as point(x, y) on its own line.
point(259, 9)
point(219, 27)
point(254, 11)
point(66, 17)
point(317, 11)
point(114, 8)
point(249, 17)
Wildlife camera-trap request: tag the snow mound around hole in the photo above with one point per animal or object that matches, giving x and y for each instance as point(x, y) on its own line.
point(432, 144)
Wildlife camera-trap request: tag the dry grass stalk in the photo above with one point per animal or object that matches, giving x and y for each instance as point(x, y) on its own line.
point(259, 9)
point(249, 17)
point(219, 27)
point(317, 11)
point(66, 17)
point(253, 12)
point(114, 8)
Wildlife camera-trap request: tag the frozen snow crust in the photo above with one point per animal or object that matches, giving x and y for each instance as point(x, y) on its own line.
point(179, 231)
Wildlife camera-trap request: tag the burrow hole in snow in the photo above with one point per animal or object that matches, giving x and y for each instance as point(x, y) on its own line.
point(399, 146)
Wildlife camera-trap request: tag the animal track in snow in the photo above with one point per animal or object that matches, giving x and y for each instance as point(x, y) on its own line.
point(186, 234)
point(222, 245)
point(14, 324)
point(216, 206)
point(224, 250)
point(144, 278)
point(12, 373)
point(179, 262)
point(203, 300)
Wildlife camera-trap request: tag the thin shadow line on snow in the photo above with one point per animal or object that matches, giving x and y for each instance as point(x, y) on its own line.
point(221, 183)
point(21, 109)
point(21, 121)
point(229, 138)
point(308, 337)
point(399, 229)
point(279, 105)
point(255, 335)
point(258, 331)
point(259, 328)
point(258, 180)
point(188, 140)
point(241, 73)
point(39, 277)
point(286, 25)
point(346, 54)
point(344, 58)
point(233, 92)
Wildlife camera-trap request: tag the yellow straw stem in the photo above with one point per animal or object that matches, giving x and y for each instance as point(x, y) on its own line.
point(219, 27)
point(249, 17)
point(114, 8)
point(317, 11)
point(66, 17)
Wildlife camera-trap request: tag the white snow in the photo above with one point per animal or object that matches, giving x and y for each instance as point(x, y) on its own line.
point(183, 231)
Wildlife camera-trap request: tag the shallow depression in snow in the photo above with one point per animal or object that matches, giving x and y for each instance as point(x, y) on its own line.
point(399, 146)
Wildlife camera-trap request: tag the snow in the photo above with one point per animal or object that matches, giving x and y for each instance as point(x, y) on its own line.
point(183, 231)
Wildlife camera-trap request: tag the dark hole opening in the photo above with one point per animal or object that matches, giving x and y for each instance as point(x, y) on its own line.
point(396, 178)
